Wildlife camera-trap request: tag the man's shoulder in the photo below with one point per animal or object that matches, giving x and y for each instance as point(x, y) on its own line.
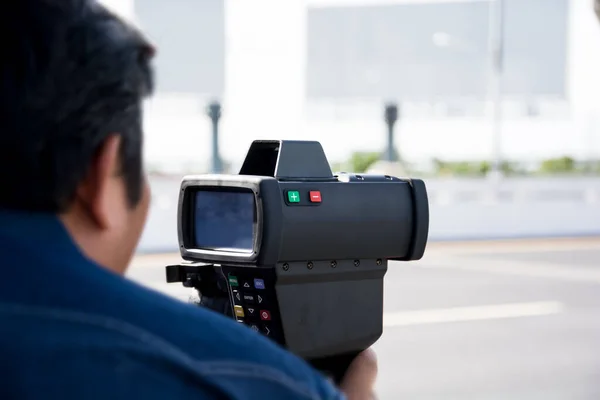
point(231, 351)
point(106, 314)
point(126, 358)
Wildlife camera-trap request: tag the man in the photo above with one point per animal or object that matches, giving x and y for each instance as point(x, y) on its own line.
point(73, 203)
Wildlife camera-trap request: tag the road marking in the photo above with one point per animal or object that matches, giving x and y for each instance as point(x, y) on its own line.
point(519, 268)
point(478, 313)
point(511, 246)
point(421, 317)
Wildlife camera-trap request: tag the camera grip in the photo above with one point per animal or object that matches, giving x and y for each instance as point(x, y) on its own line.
point(334, 367)
point(213, 290)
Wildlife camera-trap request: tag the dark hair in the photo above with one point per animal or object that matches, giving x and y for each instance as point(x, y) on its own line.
point(71, 74)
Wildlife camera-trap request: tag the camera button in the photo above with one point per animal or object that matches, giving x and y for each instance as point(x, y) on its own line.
point(239, 311)
point(315, 196)
point(249, 298)
point(233, 280)
point(266, 330)
point(293, 196)
point(236, 296)
point(259, 284)
point(265, 315)
point(251, 311)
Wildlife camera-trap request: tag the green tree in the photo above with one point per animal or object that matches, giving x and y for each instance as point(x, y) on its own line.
point(558, 165)
point(361, 161)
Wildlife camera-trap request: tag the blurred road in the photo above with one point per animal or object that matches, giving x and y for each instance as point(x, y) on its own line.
point(489, 320)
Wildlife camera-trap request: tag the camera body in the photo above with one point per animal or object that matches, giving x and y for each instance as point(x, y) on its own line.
point(295, 252)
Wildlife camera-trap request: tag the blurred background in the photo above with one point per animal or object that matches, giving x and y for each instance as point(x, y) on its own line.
point(498, 109)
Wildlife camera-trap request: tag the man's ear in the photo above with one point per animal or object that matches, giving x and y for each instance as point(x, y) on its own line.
point(98, 193)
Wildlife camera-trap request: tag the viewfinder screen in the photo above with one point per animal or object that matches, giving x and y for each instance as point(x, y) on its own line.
point(224, 220)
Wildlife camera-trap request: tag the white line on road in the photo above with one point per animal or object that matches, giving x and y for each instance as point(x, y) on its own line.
point(572, 273)
point(478, 313)
point(512, 246)
point(427, 316)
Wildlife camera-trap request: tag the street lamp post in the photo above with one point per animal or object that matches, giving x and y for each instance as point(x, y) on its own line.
point(496, 48)
point(391, 116)
point(214, 113)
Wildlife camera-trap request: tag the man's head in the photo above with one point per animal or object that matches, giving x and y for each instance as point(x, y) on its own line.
point(72, 81)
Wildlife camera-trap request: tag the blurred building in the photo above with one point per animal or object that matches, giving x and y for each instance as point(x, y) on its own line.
point(435, 52)
point(322, 69)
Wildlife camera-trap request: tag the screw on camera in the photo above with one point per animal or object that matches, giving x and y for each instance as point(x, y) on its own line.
point(310, 265)
point(286, 266)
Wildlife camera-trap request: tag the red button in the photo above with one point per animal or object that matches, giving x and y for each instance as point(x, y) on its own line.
point(315, 196)
point(265, 315)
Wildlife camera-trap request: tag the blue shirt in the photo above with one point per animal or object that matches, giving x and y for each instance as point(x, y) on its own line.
point(70, 329)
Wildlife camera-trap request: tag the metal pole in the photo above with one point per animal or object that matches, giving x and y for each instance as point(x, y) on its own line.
point(391, 116)
point(496, 47)
point(214, 112)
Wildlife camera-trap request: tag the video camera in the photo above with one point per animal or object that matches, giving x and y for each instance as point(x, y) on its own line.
point(297, 253)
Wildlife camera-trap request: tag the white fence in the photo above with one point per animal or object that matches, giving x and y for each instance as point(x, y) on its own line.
point(460, 209)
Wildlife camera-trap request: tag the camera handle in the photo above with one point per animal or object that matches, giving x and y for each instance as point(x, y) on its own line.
point(334, 367)
point(214, 295)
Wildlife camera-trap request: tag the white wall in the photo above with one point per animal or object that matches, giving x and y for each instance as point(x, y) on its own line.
point(264, 91)
point(584, 59)
point(584, 75)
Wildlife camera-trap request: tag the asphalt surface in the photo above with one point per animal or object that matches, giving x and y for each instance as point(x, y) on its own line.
point(494, 320)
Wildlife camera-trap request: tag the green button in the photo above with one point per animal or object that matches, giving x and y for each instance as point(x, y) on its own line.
point(233, 280)
point(293, 196)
